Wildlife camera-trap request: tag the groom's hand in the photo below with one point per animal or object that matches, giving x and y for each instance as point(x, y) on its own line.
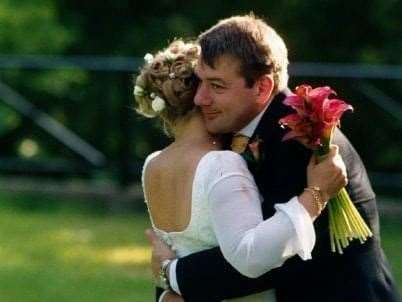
point(160, 252)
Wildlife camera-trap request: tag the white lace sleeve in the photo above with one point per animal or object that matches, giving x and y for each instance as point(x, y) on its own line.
point(250, 244)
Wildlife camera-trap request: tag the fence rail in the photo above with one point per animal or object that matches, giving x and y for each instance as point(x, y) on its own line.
point(96, 160)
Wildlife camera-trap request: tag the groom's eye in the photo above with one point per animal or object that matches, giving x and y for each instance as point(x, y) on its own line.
point(217, 86)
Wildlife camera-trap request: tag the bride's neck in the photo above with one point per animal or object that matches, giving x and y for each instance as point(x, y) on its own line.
point(192, 129)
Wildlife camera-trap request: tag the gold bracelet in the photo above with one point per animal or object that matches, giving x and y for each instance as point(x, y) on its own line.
point(316, 193)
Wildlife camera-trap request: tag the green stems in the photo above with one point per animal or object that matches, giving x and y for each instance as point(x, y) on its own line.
point(345, 222)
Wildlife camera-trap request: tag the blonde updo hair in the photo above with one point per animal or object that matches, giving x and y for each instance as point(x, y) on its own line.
point(168, 79)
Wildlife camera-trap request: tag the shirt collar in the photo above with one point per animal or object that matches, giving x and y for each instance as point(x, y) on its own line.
point(249, 129)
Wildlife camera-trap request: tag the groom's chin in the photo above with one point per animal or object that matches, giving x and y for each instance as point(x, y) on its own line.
point(217, 123)
point(212, 126)
point(215, 128)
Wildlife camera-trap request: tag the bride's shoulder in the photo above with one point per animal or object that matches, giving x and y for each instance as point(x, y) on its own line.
point(223, 159)
point(224, 154)
point(150, 157)
point(218, 165)
point(219, 153)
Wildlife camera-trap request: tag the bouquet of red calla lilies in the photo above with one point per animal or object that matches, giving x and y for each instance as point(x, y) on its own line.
point(313, 125)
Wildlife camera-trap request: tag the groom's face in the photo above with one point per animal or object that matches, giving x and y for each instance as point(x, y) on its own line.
point(226, 102)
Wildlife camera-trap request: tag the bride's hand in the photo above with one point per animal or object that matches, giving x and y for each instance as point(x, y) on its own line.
point(329, 174)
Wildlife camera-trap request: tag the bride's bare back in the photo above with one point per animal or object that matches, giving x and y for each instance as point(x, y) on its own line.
point(168, 185)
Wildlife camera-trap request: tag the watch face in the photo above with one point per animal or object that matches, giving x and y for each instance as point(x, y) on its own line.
point(163, 280)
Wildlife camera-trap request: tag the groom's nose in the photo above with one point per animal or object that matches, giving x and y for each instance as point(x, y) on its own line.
point(202, 96)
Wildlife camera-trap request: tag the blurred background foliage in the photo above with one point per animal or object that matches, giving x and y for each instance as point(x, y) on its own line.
point(96, 105)
point(69, 247)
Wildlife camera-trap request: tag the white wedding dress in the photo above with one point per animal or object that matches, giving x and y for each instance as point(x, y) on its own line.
point(226, 212)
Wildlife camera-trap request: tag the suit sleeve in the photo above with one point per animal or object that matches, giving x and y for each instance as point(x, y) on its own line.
point(207, 276)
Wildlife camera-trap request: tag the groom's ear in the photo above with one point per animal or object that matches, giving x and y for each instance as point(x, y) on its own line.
point(265, 87)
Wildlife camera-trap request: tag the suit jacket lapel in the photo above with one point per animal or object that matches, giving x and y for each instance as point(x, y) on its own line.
point(282, 170)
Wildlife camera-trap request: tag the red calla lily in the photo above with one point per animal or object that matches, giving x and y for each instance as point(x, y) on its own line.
point(316, 114)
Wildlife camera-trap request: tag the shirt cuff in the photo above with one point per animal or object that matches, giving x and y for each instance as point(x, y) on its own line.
point(163, 295)
point(172, 277)
point(303, 225)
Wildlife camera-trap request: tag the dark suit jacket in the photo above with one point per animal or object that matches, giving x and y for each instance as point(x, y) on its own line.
point(361, 274)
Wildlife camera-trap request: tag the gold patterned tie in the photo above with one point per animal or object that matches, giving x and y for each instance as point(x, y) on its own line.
point(239, 143)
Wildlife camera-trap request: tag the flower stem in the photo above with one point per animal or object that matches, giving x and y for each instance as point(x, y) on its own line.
point(345, 222)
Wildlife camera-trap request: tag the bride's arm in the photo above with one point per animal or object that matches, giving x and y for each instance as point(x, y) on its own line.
point(207, 276)
point(250, 244)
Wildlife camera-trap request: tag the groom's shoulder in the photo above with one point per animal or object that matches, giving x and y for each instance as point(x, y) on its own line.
point(346, 148)
point(359, 186)
point(348, 152)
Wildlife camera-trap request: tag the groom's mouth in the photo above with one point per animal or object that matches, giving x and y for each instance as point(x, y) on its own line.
point(210, 115)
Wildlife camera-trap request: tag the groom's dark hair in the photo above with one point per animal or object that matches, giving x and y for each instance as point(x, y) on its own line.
point(259, 49)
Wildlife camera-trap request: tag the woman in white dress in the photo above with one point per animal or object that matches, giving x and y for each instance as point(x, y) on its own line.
point(200, 196)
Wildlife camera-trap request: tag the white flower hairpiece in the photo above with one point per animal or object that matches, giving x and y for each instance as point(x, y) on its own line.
point(149, 58)
point(138, 90)
point(158, 104)
point(169, 55)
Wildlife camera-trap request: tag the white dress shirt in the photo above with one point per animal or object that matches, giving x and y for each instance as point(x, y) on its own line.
point(249, 129)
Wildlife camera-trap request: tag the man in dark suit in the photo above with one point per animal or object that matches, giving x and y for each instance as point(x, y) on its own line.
point(243, 81)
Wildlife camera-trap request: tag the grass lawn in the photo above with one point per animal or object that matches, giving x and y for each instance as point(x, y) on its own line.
point(391, 235)
point(55, 254)
point(67, 255)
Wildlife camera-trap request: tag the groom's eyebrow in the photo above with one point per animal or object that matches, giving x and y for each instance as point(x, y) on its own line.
point(215, 79)
point(210, 79)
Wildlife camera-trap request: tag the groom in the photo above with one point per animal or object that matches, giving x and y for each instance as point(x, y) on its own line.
point(242, 60)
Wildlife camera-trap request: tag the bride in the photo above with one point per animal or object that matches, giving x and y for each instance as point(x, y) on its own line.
point(200, 196)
